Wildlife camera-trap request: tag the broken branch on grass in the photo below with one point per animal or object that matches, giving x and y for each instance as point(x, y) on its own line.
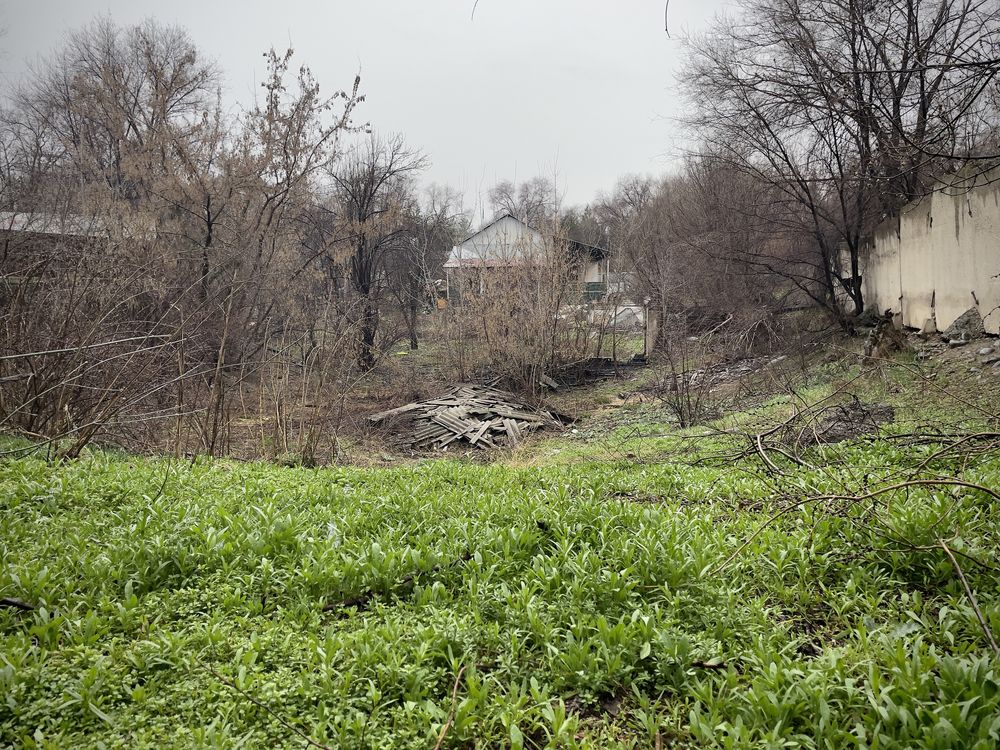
point(853, 499)
point(362, 600)
point(17, 604)
point(929, 382)
point(717, 666)
point(451, 713)
point(972, 598)
point(952, 446)
point(260, 704)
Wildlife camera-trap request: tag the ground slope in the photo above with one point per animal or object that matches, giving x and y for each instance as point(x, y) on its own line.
point(607, 604)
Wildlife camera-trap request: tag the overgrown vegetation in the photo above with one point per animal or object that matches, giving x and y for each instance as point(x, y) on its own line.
point(749, 549)
point(835, 596)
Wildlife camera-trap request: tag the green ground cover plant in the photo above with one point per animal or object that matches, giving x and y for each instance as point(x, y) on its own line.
point(706, 602)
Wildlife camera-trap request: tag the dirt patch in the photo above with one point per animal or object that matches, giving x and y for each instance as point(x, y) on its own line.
point(836, 424)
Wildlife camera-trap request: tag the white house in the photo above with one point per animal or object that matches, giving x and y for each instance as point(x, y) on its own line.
point(507, 242)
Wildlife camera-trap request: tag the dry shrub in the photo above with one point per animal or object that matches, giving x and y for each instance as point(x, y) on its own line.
point(519, 322)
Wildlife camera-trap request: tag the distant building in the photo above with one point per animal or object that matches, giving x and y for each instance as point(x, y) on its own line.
point(507, 243)
point(37, 224)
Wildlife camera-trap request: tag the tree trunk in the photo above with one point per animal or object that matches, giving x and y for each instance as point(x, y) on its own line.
point(206, 245)
point(366, 335)
point(411, 320)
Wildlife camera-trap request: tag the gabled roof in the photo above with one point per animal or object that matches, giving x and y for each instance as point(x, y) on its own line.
point(497, 220)
point(505, 246)
point(478, 260)
point(595, 252)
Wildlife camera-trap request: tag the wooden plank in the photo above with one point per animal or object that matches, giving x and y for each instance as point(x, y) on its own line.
point(456, 425)
point(479, 414)
point(514, 430)
point(443, 421)
point(448, 440)
point(523, 416)
point(394, 412)
point(483, 428)
point(429, 432)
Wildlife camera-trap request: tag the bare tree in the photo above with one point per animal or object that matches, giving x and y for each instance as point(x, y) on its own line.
point(111, 97)
point(282, 146)
point(415, 260)
point(520, 321)
point(149, 242)
point(682, 252)
point(847, 109)
point(533, 201)
point(372, 196)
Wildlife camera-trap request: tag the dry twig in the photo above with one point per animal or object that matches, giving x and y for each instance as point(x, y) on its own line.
point(972, 598)
point(260, 704)
point(854, 499)
point(451, 713)
point(17, 604)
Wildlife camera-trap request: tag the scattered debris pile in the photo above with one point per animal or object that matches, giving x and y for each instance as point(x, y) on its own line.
point(592, 368)
point(967, 327)
point(885, 339)
point(836, 424)
point(706, 377)
point(472, 415)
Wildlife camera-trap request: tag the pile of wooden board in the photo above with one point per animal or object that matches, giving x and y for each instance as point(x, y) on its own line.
point(469, 415)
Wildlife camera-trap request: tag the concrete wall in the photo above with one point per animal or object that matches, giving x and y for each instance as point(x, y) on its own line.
point(939, 258)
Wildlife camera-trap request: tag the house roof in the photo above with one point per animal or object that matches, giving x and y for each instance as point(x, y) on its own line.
point(484, 258)
point(504, 247)
point(595, 252)
point(497, 220)
point(34, 222)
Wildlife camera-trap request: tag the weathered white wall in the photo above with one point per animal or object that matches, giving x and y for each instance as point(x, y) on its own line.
point(593, 271)
point(502, 242)
point(940, 257)
point(507, 242)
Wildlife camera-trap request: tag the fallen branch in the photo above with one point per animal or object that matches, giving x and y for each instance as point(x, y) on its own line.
point(718, 666)
point(260, 704)
point(17, 604)
point(363, 599)
point(451, 713)
point(972, 598)
point(851, 498)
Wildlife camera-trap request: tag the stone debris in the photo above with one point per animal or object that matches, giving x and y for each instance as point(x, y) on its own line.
point(967, 327)
point(470, 415)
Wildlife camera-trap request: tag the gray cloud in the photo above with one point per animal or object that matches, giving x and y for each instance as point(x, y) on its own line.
point(579, 88)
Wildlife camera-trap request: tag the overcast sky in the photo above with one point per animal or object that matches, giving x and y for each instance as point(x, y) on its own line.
point(583, 89)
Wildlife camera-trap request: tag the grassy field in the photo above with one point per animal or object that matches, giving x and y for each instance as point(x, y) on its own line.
point(689, 596)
